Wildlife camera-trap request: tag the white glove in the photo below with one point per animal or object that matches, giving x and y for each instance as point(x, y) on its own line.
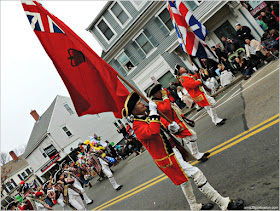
point(153, 108)
point(173, 127)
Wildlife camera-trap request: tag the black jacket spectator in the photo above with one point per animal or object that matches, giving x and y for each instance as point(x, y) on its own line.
point(243, 32)
point(270, 20)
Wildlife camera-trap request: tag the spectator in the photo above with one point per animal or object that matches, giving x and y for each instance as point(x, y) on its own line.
point(135, 145)
point(111, 150)
point(269, 43)
point(242, 32)
point(244, 67)
point(173, 91)
point(231, 46)
point(218, 52)
point(209, 81)
point(255, 51)
point(122, 130)
point(274, 34)
point(226, 76)
point(224, 54)
point(185, 96)
point(270, 20)
point(210, 65)
point(262, 24)
point(275, 10)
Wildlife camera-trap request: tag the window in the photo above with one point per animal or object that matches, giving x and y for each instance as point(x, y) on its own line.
point(68, 133)
point(192, 5)
point(10, 186)
point(138, 4)
point(119, 13)
point(166, 79)
point(226, 30)
point(67, 107)
point(19, 176)
point(24, 175)
point(28, 171)
point(105, 29)
point(127, 61)
point(144, 43)
point(164, 16)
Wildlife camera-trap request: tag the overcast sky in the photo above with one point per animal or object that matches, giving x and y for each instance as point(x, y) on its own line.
point(29, 79)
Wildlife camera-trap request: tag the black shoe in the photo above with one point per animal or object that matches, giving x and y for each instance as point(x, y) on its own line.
point(90, 202)
point(206, 154)
point(208, 206)
point(120, 187)
point(203, 158)
point(236, 204)
point(222, 122)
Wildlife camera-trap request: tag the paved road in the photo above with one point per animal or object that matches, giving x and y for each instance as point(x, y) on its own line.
point(244, 162)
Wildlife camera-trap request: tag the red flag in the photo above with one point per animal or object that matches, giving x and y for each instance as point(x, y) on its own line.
point(92, 83)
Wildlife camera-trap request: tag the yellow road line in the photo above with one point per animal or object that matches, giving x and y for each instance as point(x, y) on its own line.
point(245, 132)
point(158, 177)
point(162, 177)
point(165, 177)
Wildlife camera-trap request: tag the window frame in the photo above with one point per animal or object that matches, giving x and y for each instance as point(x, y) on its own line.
point(123, 66)
point(104, 37)
point(134, 40)
point(67, 131)
point(138, 7)
point(116, 18)
point(197, 4)
point(66, 104)
point(157, 16)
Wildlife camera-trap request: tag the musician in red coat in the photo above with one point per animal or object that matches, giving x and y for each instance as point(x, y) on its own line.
point(194, 86)
point(172, 112)
point(167, 156)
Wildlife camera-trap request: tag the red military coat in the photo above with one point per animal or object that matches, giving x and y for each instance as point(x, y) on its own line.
point(173, 114)
point(194, 88)
point(149, 134)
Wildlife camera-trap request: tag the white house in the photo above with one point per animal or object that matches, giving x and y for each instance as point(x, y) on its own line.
point(59, 129)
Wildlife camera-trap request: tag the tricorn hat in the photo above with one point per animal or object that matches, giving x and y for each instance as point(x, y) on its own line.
point(129, 104)
point(177, 68)
point(154, 89)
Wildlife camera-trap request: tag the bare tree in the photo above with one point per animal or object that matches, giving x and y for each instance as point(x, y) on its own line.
point(4, 158)
point(4, 175)
point(20, 150)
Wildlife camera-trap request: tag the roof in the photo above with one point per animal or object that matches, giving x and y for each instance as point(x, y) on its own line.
point(14, 165)
point(39, 130)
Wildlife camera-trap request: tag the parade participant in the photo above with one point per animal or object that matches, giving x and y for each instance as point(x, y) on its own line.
point(167, 156)
point(193, 85)
point(78, 184)
point(67, 193)
point(31, 199)
point(105, 166)
point(189, 136)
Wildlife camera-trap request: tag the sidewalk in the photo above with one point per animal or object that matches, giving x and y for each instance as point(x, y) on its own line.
point(238, 77)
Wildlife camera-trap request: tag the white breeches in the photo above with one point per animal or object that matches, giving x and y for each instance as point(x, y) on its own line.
point(211, 110)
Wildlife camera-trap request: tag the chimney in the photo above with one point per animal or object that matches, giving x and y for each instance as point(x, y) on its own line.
point(35, 115)
point(13, 155)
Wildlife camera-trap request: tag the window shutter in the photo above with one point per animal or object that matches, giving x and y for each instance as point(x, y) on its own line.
point(151, 38)
point(20, 177)
point(139, 50)
point(162, 27)
point(132, 59)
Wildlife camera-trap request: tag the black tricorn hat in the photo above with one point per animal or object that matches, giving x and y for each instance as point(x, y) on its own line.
point(177, 68)
point(154, 89)
point(129, 104)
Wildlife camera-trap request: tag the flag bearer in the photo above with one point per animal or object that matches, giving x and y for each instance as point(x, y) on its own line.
point(165, 152)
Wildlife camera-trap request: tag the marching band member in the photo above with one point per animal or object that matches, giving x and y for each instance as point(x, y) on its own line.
point(193, 85)
point(166, 154)
point(172, 112)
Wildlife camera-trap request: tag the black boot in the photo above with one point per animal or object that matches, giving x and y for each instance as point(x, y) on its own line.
point(207, 206)
point(236, 204)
